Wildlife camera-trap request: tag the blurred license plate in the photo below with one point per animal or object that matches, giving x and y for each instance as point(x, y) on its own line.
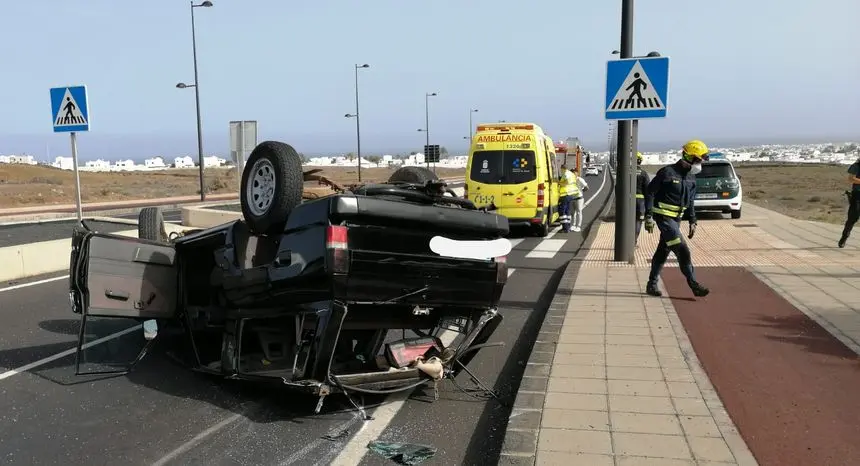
point(706, 196)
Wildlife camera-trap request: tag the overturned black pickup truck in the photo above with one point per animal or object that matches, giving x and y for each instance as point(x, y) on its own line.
point(373, 288)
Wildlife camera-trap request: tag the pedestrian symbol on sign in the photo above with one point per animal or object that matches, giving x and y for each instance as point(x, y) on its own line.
point(636, 93)
point(636, 85)
point(70, 113)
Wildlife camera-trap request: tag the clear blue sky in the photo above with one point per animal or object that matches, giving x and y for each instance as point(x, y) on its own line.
point(741, 70)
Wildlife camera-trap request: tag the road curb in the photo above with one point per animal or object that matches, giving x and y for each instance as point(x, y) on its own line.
point(521, 434)
point(32, 259)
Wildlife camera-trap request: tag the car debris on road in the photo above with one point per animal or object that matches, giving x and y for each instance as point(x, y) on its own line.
point(334, 293)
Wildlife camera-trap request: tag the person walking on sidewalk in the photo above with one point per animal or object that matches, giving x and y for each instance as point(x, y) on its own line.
point(642, 180)
point(570, 194)
point(853, 202)
point(670, 196)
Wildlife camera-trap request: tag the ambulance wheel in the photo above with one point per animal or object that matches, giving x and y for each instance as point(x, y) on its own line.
point(543, 229)
point(736, 214)
point(272, 185)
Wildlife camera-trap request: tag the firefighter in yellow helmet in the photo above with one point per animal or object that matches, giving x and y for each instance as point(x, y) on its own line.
point(642, 180)
point(668, 200)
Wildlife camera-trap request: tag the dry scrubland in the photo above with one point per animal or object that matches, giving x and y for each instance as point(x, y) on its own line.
point(808, 192)
point(27, 185)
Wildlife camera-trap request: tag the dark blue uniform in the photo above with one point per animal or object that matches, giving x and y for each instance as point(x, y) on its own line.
point(853, 206)
point(669, 199)
point(642, 181)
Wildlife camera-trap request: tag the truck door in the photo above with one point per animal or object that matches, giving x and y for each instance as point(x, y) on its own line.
point(121, 286)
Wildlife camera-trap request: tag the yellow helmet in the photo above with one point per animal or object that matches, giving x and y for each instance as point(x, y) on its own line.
point(694, 149)
point(639, 157)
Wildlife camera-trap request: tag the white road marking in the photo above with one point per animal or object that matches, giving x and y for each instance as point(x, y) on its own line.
point(356, 448)
point(511, 272)
point(515, 241)
point(197, 439)
point(546, 249)
point(67, 352)
point(37, 282)
point(549, 247)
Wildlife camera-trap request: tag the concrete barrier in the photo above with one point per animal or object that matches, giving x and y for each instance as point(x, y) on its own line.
point(31, 259)
point(210, 216)
point(202, 217)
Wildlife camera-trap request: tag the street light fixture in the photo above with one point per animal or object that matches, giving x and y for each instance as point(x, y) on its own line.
point(196, 87)
point(471, 127)
point(427, 122)
point(357, 120)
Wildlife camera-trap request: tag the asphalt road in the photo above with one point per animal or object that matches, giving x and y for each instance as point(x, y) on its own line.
point(162, 413)
point(23, 233)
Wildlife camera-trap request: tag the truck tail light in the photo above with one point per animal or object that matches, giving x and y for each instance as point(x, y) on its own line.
point(465, 191)
point(540, 195)
point(337, 244)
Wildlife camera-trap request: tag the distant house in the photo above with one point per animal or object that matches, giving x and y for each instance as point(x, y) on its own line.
point(20, 159)
point(155, 162)
point(97, 165)
point(63, 163)
point(183, 162)
point(213, 161)
point(124, 165)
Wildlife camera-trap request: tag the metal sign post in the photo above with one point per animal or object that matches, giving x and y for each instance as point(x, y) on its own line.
point(636, 88)
point(243, 140)
point(70, 112)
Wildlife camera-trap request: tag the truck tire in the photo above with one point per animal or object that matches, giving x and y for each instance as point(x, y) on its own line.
point(736, 214)
point(272, 185)
point(150, 225)
point(412, 175)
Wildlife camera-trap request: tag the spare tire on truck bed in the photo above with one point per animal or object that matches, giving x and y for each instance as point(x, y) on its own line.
point(272, 185)
point(150, 225)
point(412, 175)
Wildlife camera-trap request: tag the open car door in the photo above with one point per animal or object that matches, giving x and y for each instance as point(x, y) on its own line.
point(122, 287)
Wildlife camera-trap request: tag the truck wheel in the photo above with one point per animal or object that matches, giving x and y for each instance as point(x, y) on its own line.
point(150, 225)
point(736, 214)
point(412, 175)
point(272, 185)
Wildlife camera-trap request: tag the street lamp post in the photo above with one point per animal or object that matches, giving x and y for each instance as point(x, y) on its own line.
point(196, 87)
point(471, 127)
point(427, 124)
point(357, 119)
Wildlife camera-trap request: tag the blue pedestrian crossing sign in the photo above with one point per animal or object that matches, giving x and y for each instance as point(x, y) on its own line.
point(637, 88)
point(70, 109)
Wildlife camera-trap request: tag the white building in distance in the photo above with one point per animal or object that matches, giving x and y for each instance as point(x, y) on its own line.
point(20, 159)
point(64, 163)
point(155, 162)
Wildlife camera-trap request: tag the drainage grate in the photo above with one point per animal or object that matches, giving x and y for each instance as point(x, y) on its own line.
point(745, 225)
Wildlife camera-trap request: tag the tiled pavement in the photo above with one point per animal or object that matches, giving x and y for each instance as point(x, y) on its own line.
point(613, 379)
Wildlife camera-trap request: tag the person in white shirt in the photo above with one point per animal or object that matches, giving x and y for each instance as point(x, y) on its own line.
point(571, 188)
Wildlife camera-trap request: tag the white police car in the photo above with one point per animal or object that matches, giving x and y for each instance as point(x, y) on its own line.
point(718, 187)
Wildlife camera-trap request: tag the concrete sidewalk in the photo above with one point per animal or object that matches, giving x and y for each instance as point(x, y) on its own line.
point(613, 378)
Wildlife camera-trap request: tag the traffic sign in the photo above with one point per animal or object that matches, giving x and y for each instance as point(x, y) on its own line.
point(637, 88)
point(431, 153)
point(69, 109)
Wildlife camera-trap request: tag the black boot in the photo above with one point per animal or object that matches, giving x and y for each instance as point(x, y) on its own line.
point(842, 242)
point(651, 289)
point(698, 289)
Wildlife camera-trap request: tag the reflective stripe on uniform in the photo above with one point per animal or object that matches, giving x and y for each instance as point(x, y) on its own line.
point(667, 213)
point(668, 210)
point(671, 207)
point(673, 242)
point(640, 196)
